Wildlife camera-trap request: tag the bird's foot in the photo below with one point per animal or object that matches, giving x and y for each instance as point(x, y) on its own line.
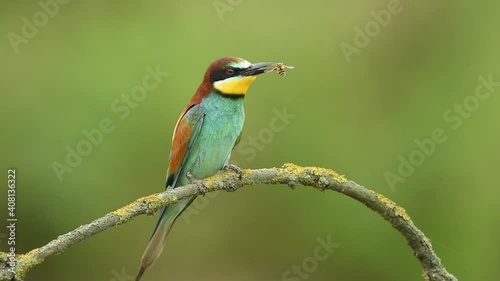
point(236, 169)
point(201, 185)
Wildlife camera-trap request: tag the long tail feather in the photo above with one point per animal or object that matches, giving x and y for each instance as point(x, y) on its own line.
point(157, 242)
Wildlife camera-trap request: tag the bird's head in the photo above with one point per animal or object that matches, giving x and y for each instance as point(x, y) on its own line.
point(233, 76)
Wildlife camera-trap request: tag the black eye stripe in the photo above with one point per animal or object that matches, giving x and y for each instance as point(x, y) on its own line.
point(222, 74)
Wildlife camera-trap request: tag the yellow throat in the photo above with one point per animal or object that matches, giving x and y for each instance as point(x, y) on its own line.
point(234, 85)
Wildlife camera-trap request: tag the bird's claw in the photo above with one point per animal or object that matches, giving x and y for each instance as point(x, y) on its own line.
point(236, 169)
point(201, 185)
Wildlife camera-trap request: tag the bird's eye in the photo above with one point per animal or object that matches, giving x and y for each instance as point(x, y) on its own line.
point(229, 71)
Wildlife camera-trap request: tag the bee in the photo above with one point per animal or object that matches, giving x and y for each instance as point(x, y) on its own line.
point(281, 68)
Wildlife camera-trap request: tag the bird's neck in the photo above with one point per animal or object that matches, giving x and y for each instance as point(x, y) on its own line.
point(220, 102)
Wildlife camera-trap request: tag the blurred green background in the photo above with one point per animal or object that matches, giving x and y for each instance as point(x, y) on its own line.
point(356, 117)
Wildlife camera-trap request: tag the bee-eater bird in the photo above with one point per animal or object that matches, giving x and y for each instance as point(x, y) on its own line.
point(204, 136)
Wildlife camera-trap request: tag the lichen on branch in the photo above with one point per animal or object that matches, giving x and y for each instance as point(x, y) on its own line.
point(290, 174)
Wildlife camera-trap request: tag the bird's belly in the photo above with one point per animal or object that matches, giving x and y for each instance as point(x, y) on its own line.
point(213, 146)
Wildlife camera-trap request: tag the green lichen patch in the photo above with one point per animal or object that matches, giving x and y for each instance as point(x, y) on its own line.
point(26, 262)
point(398, 211)
point(314, 175)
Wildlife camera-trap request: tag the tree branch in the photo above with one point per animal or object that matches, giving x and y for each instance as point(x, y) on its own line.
point(290, 174)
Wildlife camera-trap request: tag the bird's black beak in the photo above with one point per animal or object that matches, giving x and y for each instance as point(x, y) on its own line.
point(258, 68)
